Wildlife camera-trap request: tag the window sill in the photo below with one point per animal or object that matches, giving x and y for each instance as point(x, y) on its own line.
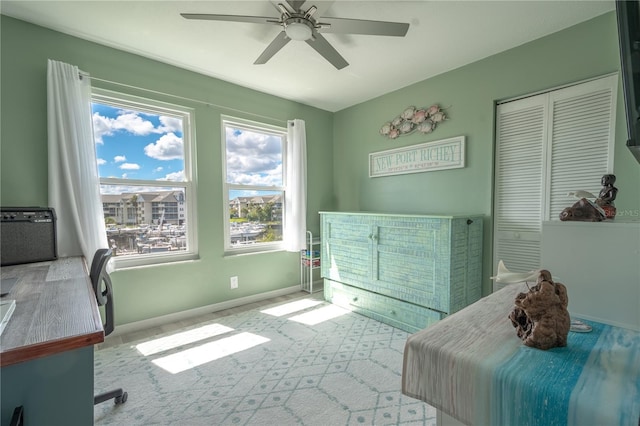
point(249, 251)
point(134, 262)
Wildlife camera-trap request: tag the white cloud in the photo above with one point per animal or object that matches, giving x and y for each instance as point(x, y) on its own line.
point(130, 166)
point(255, 179)
point(158, 169)
point(174, 177)
point(119, 158)
point(132, 122)
point(101, 161)
point(254, 158)
point(170, 124)
point(168, 147)
point(101, 127)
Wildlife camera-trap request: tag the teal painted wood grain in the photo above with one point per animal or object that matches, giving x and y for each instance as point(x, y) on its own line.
point(432, 262)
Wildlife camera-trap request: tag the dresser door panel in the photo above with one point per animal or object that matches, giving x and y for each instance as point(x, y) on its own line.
point(347, 249)
point(411, 260)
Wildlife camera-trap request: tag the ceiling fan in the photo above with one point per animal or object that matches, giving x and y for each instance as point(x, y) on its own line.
point(302, 25)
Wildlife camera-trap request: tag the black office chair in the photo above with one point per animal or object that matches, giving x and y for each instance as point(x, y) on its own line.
point(104, 295)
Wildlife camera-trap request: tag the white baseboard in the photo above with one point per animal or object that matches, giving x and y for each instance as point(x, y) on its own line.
point(178, 316)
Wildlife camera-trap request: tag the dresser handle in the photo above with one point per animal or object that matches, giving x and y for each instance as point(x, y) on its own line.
point(355, 299)
point(392, 312)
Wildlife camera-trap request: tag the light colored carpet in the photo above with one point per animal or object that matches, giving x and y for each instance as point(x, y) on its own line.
point(304, 362)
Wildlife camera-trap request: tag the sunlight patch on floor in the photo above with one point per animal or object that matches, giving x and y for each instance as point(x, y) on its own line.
point(291, 307)
point(320, 315)
point(179, 339)
point(208, 352)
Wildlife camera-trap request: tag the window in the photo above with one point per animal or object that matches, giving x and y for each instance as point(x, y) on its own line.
point(254, 185)
point(144, 151)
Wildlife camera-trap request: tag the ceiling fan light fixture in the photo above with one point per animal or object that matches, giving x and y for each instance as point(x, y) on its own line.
point(298, 29)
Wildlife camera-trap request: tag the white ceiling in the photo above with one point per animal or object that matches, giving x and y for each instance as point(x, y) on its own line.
point(443, 35)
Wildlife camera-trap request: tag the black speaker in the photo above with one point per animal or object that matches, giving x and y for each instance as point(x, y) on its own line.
point(27, 234)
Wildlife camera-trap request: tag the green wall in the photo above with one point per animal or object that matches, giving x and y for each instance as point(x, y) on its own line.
point(469, 94)
point(158, 290)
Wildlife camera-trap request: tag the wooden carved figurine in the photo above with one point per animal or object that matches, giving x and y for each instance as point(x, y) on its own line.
point(607, 196)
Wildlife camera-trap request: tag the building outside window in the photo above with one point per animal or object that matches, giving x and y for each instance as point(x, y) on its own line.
point(254, 185)
point(145, 154)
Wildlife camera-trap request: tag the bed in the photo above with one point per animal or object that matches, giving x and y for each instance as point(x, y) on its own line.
point(472, 366)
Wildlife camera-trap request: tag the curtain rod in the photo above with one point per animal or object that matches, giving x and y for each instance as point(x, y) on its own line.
point(208, 104)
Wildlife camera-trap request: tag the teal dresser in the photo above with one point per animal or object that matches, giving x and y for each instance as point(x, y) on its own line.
point(408, 271)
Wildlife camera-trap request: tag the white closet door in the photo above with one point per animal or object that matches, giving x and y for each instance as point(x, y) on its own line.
point(520, 142)
point(582, 137)
point(546, 146)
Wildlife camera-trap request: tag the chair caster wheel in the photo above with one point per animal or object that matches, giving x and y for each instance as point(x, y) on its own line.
point(121, 399)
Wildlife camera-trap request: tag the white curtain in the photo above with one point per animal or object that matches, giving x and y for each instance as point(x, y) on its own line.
point(74, 186)
point(296, 197)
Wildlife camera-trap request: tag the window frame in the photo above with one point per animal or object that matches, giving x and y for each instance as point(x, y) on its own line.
point(187, 115)
point(244, 124)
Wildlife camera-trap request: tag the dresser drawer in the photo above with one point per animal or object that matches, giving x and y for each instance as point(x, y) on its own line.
point(403, 315)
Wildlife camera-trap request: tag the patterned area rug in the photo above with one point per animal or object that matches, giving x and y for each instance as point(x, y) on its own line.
point(304, 362)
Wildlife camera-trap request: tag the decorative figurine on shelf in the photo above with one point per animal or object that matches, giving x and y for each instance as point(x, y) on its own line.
point(599, 209)
point(583, 211)
point(607, 196)
point(540, 316)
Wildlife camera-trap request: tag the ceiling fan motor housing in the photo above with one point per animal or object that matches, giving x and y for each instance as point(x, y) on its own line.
point(298, 28)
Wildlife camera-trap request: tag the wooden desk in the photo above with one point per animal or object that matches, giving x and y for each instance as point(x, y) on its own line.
point(473, 367)
point(46, 349)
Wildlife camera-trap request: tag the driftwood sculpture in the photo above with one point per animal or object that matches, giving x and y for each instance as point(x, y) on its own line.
point(540, 316)
point(583, 211)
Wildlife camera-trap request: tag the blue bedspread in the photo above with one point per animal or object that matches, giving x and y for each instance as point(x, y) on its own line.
point(589, 382)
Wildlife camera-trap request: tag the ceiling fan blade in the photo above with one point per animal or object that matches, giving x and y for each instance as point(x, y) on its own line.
point(273, 48)
point(296, 5)
point(322, 46)
point(360, 26)
point(310, 12)
point(233, 18)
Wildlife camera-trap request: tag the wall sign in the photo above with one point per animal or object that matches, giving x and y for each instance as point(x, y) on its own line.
point(426, 157)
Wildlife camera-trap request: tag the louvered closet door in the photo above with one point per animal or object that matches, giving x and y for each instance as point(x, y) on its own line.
point(546, 146)
point(581, 140)
point(520, 141)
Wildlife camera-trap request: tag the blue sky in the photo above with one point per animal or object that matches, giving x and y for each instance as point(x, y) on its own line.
point(134, 145)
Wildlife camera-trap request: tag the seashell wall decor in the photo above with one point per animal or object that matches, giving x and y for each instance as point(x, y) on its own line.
point(423, 120)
